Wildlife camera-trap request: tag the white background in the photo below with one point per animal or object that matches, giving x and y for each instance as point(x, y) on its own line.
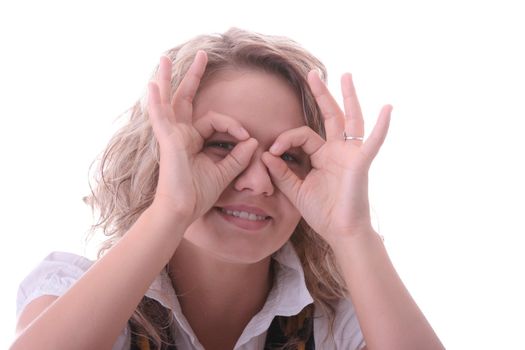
point(447, 188)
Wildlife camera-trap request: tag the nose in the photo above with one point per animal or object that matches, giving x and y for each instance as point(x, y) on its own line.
point(255, 178)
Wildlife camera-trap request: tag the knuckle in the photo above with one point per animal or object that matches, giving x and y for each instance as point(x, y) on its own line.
point(235, 161)
point(305, 128)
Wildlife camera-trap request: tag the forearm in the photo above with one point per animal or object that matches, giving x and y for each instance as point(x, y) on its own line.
point(389, 317)
point(96, 309)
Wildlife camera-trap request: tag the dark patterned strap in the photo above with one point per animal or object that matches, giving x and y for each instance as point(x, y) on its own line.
point(298, 328)
point(139, 341)
point(281, 331)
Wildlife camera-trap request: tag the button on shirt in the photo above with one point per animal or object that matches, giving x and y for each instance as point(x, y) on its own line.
point(288, 297)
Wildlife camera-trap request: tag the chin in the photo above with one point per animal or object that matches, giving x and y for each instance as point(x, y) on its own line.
point(240, 253)
point(227, 242)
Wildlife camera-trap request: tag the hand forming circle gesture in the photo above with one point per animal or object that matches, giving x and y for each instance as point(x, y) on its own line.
point(190, 182)
point(333, 197)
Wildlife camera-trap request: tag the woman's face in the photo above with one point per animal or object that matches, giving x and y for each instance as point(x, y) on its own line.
point(252, 218)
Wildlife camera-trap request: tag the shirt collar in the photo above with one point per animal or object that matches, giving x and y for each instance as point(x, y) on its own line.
point(288, 296)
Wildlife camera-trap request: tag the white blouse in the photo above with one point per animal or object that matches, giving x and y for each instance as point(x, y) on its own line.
point(288, 297)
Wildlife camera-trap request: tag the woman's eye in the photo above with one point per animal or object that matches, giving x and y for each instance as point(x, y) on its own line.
point(221, 145)
point(287, 157)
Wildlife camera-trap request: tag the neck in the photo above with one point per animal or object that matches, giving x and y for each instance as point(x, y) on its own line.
point(227, 294)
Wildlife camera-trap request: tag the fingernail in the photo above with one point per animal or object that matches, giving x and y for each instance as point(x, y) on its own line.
point(274, 148)
point(318, 73)
point(243, 133)
point(201, 53)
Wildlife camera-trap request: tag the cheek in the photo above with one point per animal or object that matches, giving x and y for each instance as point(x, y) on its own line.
point(292, 217)
point(302, 169)
point(194, 232)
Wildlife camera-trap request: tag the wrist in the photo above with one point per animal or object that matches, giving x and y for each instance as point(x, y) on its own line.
point(357, 240)
point(335, 238)
point(168, 216)
point(163, 225)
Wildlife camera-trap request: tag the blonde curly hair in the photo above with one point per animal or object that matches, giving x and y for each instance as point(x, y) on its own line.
point(126, 174)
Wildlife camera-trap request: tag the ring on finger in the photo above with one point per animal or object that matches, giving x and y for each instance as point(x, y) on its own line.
point(349, 137)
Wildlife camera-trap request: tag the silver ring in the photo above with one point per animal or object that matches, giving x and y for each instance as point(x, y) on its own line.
point(348, 137)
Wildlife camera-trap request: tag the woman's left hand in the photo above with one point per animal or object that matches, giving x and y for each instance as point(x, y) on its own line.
point(333, 197)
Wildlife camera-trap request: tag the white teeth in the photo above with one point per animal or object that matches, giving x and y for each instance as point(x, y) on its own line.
point(244, 215)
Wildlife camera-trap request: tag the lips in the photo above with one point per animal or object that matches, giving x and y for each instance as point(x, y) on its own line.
point(243, 216)
point(245, 208)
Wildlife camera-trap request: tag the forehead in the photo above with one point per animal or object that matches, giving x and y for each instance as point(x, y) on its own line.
point(264, 103)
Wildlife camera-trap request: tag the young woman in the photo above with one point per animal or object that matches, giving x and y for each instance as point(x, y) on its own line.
point(236, 205)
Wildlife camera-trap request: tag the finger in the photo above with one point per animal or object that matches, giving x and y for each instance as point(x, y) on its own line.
point(303, 137)
point(282, 176)
point(355, 125)
point(164, 79)
point(183, 98)
point(158, 120)
point(236, 161)
point(332, 114)
point(377, 137)
point(216, 122)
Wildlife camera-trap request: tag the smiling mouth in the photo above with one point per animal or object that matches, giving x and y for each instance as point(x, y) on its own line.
point(244, 215)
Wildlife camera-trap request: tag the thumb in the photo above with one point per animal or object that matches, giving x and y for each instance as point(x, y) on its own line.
point(236, 161)
point(284, 178)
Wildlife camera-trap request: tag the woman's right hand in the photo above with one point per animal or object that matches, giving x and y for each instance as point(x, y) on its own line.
point(89, 317)
point(189, 182)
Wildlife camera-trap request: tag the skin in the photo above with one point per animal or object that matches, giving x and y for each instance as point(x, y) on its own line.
point(180, 227)
point(242, 95)
point(219, 267)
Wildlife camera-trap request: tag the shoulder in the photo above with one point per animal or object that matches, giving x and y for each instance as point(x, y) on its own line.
point(53, 276)
point(345, 332)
